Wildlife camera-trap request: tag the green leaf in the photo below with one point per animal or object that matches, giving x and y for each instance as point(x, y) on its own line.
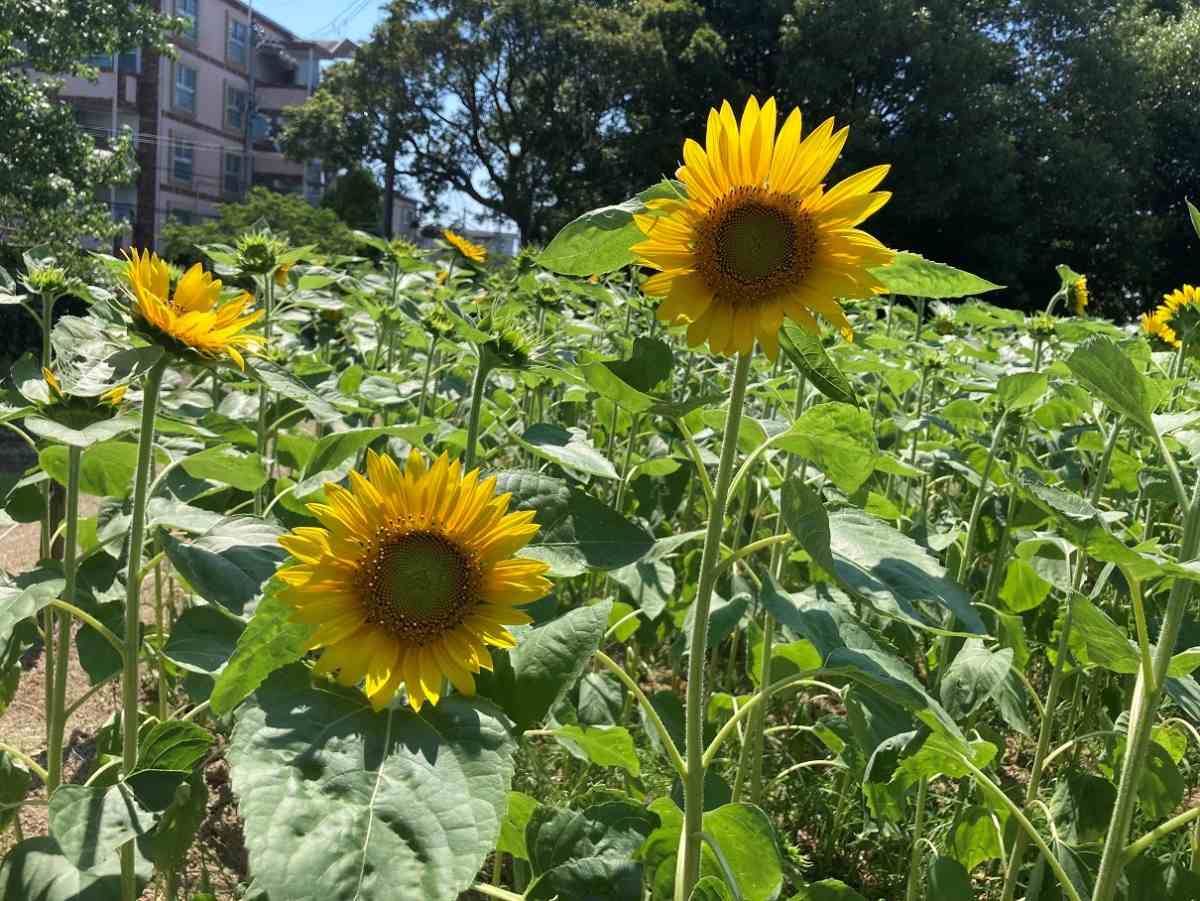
point(106, 469)
point(617, 828)
point(578, 532)
point(601, 745)
point(598, 241)
point(520, 809)
point(1160, 786)
point(336, 447)
point(710, 888)
point(605, 382)
point(949, 880)
point(974, 839)
point(1082, 807)
point(974, 676)
point(528, 680)
point(649, 364)
point(913, 275)
point(808, 355)
point(283, 383)
point(226, 466)
point(1023, 588)
point(1097, 640)
point(19, 602)
point(1021, 389)
point(229, 563)
point(14, 785)
point(838, 438)
point(271, 641)
point(747, 841)
point(1109, 375)
point(90, 822)
point(827, 890)
point(344, 803)
point(894, 573)
point(36, 869)
point(651, 583)
point(1194, 215)
point(590, 879)
point(85, 437)
point(202, 640)
point(806, 519)
point(179, 823)
point(569, 448)
point(167, 754)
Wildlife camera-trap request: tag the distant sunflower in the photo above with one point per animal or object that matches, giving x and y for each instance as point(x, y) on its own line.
point(476, 253)
point(759, 238)
point(1176, 321)
point(194, 317)
point(411, 577)
point(1079, 295)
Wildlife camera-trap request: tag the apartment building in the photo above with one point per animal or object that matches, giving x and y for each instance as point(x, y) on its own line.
point(205, 122)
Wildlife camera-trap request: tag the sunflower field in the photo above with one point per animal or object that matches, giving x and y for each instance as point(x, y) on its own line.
point(713, 552)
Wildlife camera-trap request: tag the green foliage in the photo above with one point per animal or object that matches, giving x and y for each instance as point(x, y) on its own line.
point(288, 215)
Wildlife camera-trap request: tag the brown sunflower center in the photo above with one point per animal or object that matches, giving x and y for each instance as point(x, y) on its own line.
point(419, 585)
point(753, 245)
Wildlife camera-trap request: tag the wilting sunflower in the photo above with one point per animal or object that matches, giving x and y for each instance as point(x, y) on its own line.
point(411, 577)
point(476, 253)
point(759, 237)
point(1079, 295)
point(194, 318)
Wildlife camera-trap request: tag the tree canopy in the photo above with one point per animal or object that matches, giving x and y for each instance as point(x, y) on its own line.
point(51, 170)
point(1022, 133)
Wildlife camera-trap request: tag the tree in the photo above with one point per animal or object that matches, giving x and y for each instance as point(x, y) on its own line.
point(288, 215)
point(364, 107)
point(356, 197)
point(51, 171)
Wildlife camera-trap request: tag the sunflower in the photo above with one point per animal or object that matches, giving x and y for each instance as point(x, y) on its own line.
point(194, 317)
point(758, 237)
point(1176, 321)
point(411, 577)
point(281, 275)
point(1079, 295)
point(476, 253)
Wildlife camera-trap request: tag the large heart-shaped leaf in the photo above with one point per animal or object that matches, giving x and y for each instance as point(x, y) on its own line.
point(345, 804)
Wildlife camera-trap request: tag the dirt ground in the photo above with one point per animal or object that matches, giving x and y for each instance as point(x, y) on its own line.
point(218, 860)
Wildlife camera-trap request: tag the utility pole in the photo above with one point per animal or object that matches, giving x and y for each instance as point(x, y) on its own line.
point(251, 103)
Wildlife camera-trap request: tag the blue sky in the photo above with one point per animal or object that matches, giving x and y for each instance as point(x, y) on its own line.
point(323, 19)
point(353, 19)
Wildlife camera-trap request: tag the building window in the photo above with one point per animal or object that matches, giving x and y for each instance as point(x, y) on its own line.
point(235, 108)
point(233, 173)
point(188, 9)
point(183, 161)
point(185, 88)
point(237, 44)
point(183, 217)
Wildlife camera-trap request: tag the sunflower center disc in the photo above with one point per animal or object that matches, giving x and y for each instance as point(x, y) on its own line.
point(757, 241)
point(419, 585)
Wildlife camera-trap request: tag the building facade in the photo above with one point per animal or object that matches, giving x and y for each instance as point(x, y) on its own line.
point(205, 122)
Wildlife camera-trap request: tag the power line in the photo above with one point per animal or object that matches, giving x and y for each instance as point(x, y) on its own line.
point(344, 18)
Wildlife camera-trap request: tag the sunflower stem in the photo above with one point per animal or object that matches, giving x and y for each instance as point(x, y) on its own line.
point(54, 751)
point(264, 401)
point(137, 531)
point(477, 386)
point(688, 867)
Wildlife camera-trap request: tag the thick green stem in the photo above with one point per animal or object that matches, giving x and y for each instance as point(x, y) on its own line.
point(54, 753)
point(137, 534)
point(264, 399)
point(918, 835)
point(688, 869)
point(1141, 721)
point(425, 379)
point(481, 374)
